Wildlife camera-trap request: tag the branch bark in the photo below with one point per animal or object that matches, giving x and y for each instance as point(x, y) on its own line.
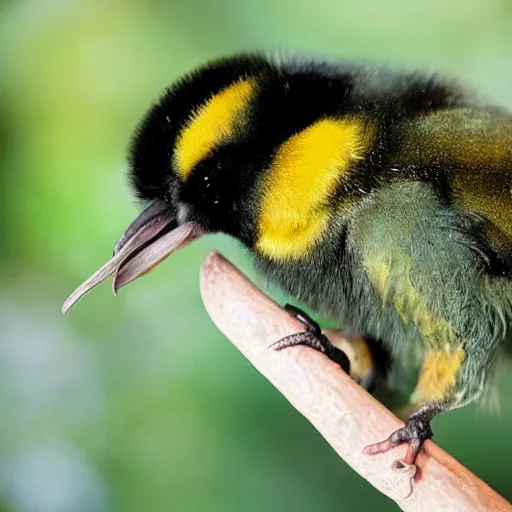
point(345, 414)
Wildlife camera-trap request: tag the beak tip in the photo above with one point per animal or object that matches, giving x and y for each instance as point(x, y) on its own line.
point(65, 307)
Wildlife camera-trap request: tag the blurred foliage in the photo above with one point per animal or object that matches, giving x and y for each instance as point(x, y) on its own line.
point(138, 403)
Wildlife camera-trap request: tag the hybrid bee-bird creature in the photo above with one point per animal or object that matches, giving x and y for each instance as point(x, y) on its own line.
point(380, 199)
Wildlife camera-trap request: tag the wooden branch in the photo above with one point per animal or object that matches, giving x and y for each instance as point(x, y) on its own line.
point(346, 415)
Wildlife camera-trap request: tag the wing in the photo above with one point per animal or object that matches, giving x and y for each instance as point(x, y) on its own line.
point(485, 193)
point(470, 151)
point(423, 261)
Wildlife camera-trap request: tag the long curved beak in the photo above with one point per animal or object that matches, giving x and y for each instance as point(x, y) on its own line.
point(152, 237)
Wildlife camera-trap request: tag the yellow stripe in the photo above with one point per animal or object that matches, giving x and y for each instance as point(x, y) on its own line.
point(305, 171)
point(438, 375)
point(215, 121)
point(396, 288)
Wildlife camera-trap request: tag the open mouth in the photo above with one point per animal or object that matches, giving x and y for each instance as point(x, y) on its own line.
point(152, 237)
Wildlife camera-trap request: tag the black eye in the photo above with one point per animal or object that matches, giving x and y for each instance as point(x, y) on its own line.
point(207, 187)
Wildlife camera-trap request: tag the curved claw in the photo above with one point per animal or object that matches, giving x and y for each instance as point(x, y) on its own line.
point(312, 337)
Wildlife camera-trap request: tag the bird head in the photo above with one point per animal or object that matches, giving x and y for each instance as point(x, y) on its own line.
point(245, 146)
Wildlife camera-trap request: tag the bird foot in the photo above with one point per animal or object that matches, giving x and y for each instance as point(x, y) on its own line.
point(312, 337)
point(416, 431)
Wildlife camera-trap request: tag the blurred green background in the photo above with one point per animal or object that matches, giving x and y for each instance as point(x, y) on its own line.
point(138, 403)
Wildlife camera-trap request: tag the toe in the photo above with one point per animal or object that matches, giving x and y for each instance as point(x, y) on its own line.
point(382, 447)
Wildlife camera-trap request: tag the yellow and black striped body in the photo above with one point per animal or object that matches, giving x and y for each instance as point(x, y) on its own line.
point(380, 199)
